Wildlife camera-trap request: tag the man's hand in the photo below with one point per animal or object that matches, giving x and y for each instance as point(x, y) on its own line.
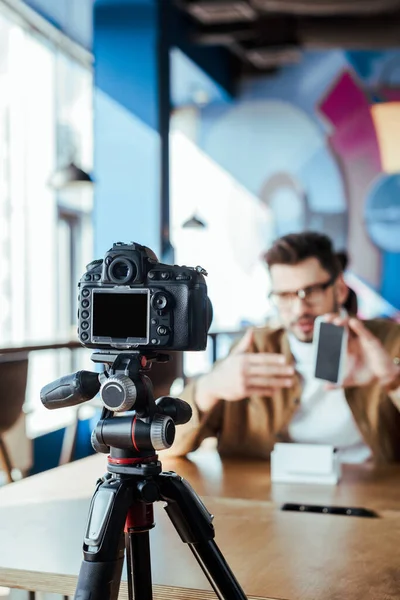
point(367, 359)
point(244, 373)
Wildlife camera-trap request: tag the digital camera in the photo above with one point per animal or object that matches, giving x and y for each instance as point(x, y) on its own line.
point(130, 300)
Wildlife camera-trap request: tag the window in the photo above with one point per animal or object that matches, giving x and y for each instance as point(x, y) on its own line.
point(45, 236)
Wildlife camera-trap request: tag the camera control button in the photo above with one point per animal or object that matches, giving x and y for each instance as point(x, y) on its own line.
point(151, 274)
point(154, 321)
point(96, 277)
point(162, 330)
point(85, 325)
point(165, 275)
point(84, 336)
point(159, 301)
point(87, 277)
point(154, 341)
point(85, 293)
point(85, 303)
point(85, 314)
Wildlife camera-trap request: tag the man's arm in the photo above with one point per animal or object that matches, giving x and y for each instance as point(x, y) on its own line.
point(202, 425)
point(204, 397)
point(245, 372)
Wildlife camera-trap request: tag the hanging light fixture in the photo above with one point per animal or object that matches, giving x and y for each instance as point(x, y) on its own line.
point(67, 173)
point(68, 176)
point(194, 223)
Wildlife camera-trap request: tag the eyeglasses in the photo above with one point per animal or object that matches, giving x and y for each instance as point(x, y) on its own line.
point(312, 294)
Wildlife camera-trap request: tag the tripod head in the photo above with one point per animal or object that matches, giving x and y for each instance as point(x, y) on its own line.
point(124, 387)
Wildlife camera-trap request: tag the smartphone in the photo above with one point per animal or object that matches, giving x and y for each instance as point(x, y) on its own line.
point(330, 349)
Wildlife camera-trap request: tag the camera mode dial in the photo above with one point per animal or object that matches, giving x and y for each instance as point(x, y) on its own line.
point(118, 393)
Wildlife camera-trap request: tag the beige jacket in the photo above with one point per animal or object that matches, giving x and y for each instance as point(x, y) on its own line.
point(250, 427)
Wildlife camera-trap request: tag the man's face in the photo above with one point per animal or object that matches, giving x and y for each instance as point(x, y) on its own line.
point(321, 295)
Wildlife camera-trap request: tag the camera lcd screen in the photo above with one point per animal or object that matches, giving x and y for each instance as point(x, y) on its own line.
point(121, 315)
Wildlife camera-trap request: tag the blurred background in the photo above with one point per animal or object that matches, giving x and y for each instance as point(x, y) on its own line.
point(200, 128)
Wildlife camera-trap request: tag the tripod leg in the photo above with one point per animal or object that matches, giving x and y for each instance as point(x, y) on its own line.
point(139, 566)
point(139, 521)
point(103, 547)
point(193, 522)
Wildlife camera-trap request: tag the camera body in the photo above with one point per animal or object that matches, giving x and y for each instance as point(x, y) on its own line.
point(129, 300)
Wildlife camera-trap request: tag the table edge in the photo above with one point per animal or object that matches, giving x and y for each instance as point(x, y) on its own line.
point(65, 585)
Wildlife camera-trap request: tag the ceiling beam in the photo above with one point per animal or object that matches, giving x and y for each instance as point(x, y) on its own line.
point(313, 32)
point(266, 40)
point(223, 34)
point(327, 8)
point(350, 33)
point(265, 58)
point(219, 11)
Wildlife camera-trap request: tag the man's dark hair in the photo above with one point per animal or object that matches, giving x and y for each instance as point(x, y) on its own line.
point(343, 259)
point(293, 248)
point(351, 302)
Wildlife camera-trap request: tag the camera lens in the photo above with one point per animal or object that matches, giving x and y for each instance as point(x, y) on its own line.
point(121, 270)
point(209, 311)
point(159, 301)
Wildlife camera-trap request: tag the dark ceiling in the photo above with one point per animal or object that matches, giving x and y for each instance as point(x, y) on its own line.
point(266, 34)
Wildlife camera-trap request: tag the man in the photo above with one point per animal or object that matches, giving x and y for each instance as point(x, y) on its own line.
point(265, 392)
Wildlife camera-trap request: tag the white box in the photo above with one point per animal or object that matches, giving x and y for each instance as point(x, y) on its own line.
point(305, 463)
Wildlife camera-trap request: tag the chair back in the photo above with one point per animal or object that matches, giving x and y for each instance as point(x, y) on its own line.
point(13, 380)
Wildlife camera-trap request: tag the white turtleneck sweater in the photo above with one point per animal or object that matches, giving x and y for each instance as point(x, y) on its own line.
point(324, 416)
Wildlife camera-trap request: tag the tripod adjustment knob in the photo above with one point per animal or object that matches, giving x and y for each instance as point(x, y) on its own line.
point(98, 446)
point(118, 393)
point(162, 432)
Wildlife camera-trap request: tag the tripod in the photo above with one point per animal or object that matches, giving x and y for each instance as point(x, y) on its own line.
point(121, 509)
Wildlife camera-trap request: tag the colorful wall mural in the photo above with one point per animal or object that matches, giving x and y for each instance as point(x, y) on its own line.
point(318, 143)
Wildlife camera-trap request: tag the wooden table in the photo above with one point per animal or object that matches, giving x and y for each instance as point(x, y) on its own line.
point(273, 554)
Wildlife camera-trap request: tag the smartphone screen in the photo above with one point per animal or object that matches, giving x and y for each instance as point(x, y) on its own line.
point(330, 341)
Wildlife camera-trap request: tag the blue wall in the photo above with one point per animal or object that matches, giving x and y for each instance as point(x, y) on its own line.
point(126, 125)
